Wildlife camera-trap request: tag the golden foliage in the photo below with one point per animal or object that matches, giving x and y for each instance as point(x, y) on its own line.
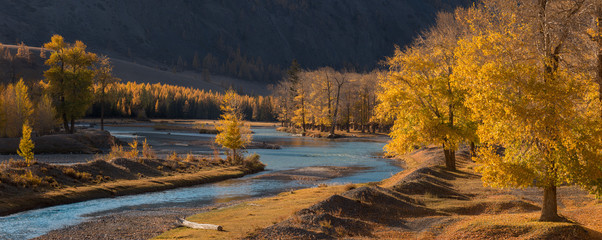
point(233, 133)
point(544, 116)
point(16, 109)
point(26, 145)
point(70, 77)
point(169, 101)
point(421, 94)
point(134, 152)
point(147, 150)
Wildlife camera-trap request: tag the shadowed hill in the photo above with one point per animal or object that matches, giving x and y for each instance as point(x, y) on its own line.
point(32, 71)
point(244, 39)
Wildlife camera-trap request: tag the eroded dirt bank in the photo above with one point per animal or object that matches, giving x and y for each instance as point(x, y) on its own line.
point(42, 185)
point(430, 202)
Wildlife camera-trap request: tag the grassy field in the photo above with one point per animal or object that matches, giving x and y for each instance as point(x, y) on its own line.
point(247, 218)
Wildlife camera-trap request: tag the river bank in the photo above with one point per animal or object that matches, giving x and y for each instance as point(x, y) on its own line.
point(337, 134)
point(84, 141)
point(42, 185)
point(424, 202)
point(305, 162)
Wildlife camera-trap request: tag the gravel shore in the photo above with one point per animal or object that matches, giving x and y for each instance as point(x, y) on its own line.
point(130, 224)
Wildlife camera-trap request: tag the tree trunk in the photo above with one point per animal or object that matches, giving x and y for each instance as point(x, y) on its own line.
point(102, 111)
point(65, 123)
point(450, 159)
point(303, 112)
point(473, 150)
point(72, 130)
point(102, 114)
point(549, 211)
point(598, 40)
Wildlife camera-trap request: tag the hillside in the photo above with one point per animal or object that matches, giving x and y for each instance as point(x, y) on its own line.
point(245, 39)
point(128, 71)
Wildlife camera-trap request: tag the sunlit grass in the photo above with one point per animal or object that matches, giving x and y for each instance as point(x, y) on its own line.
point(247, 218)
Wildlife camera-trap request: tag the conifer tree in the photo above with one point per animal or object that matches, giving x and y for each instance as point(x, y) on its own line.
point(26, 145)
point(233, 134)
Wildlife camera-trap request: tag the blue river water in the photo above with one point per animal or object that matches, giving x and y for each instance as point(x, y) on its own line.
point(296, 152)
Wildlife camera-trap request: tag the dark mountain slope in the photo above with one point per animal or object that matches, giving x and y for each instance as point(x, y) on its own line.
point(246, 39)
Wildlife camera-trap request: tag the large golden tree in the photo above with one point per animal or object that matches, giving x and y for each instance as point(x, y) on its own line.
point(70, 78)
point(540, 119)
point(420, 94)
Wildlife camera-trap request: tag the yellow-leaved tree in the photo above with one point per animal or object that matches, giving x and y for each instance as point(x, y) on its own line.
point(540, 120)
point(233, 133)
point(104, 79)
point(26, 145)
point(16, 109)
point(420, 95)
point(70, 79)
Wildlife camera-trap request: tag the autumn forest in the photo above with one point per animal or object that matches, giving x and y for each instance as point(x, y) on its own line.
point(508, 92)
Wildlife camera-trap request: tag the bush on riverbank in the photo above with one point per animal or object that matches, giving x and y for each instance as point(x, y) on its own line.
point(252, 162)
point(17, 177)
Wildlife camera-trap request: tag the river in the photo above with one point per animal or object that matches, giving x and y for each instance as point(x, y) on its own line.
point(296, 152)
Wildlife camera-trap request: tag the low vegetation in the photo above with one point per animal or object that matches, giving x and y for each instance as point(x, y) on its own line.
point(28, 184)
point(250, 218)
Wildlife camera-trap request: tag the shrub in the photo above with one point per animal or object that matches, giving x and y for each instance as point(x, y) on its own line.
point(216, 156)
point(133, 153)
point(116, 152)
point(252, 162)
point(12, 163)
point(51, 181)
point(76, 174)
point(147, 151)
point(174, 157)
point(45, 120)
point(190, 158)
point(27, 179)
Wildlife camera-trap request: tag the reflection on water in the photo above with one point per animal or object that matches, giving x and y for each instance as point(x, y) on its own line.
point(296, 152)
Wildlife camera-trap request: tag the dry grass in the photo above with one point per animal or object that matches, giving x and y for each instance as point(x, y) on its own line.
point(460, 208)
point(147, 150)
point(244, 219)
point(116, 188)
point(77, 174)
